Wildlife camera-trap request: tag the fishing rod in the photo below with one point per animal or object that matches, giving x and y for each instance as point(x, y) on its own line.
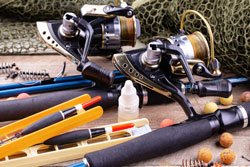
point(52, 84)
point(118, 78)
point(78, 81)
point(159, 67)
point(20, 108)
point(170, 139)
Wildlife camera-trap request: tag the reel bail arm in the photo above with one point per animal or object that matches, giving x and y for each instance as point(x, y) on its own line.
point(90, 69)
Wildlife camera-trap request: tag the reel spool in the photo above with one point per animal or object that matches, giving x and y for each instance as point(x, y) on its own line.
point(195, 48)
point(130, 30)
point(111, 34)
point(120, 31)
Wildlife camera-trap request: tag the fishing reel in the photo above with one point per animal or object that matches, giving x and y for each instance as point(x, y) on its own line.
point(164, 62)
point(196, 50)
point(99, 30)
point(197, 53)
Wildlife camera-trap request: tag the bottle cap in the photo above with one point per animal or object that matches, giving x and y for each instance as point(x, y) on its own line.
point(128, 94)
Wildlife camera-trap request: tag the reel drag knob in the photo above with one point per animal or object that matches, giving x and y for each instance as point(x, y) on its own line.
point(152, 56)
point(68, 28)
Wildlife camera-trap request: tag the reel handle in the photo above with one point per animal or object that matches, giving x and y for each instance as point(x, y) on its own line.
point(220, 87)
point(98, 74)
point(201, 70)
point(119, 11)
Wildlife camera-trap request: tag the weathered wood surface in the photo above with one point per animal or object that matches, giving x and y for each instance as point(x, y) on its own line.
point(155, 114)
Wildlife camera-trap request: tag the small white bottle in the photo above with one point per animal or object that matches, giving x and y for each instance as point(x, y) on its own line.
point(128, 103)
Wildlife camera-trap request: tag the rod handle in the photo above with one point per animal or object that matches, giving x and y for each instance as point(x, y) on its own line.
point(157, 143)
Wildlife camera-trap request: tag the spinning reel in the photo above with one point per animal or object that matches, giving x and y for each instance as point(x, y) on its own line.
point(100, 30)
point(165, 61)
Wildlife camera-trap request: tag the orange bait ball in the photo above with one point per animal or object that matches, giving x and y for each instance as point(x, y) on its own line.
point(166, 122)
point(205, 155)
point(23, 96)
point(245, 96)
point(227, 156)
point(226, 139)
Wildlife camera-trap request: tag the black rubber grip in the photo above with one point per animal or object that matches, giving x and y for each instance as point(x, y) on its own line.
point(155, 98)
point(150, 97)
point(21, 108)
point(157, 143)
point(69, 137)
point(98, 74)
point(42, 123)
point(220, 87)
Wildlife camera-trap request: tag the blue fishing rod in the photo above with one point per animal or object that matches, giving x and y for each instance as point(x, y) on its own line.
point(53, 84)
point(47, 88)
point(40, 82)
point(238, 80)
point(118, 78)
point(77, 81)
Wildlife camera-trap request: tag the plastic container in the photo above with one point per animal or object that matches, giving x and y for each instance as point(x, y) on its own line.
point(128, 103)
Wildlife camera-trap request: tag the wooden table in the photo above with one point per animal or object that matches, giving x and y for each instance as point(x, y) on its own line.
point(53, 64)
